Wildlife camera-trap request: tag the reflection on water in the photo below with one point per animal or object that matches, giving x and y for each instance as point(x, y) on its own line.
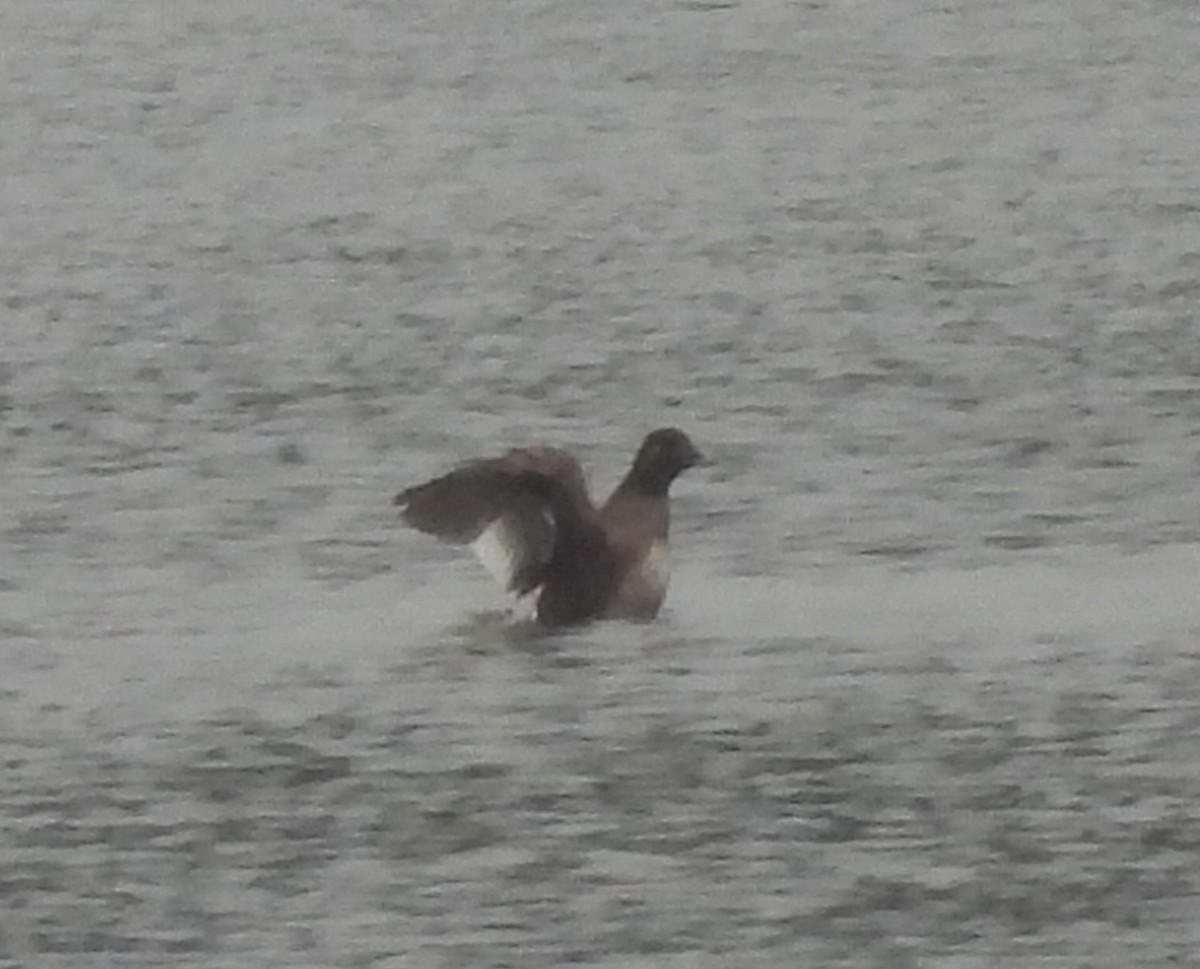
point(624, 792)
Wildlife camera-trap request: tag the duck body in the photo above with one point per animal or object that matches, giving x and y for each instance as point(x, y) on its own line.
point(528, 517)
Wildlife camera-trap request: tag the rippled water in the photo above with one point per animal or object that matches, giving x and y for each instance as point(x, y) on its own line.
point(920, 277)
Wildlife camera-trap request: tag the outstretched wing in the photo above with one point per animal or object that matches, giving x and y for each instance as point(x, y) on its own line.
point(509, 510)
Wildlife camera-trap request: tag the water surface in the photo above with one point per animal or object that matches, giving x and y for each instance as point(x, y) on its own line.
point(919, 277)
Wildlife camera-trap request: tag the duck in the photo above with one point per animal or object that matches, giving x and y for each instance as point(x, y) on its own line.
point(529, 519)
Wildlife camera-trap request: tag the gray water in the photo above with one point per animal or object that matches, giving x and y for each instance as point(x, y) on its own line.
point(920, 277)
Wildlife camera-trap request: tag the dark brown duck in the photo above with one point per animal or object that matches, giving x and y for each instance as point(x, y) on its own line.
point(528, 517)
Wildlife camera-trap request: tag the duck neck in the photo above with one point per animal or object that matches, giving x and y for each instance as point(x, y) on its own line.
point(647, 482)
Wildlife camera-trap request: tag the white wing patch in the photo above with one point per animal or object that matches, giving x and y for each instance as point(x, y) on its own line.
point(514, 543)
point(496, 548)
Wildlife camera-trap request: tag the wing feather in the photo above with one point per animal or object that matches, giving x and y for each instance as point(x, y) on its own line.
point(506, 514)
